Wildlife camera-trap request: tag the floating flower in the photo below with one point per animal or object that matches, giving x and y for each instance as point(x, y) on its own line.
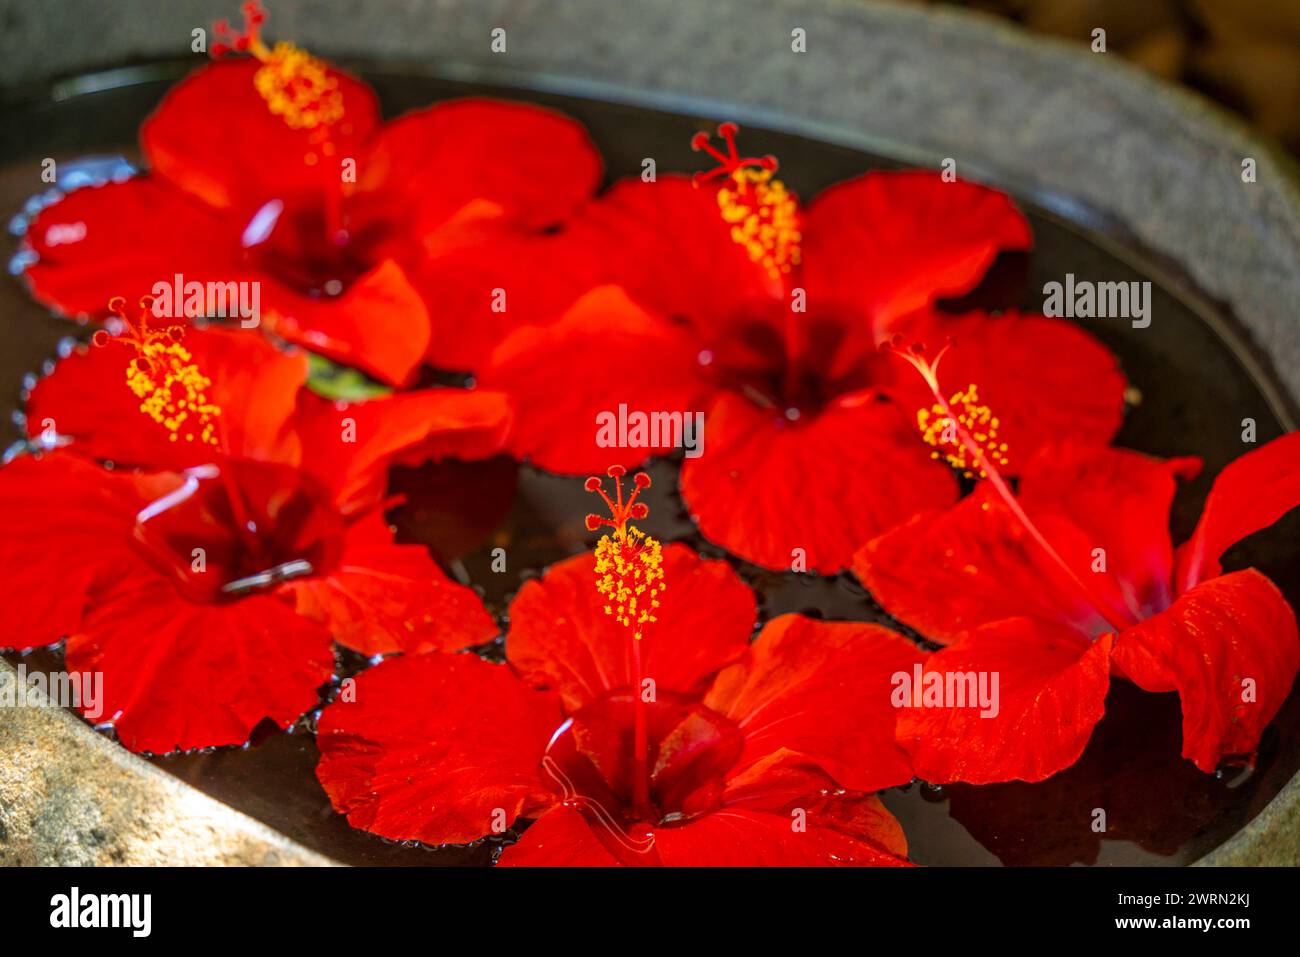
point(273, 167)
point(1071, 579)
point(630, 738)
point(207, 587)
point(765, 317)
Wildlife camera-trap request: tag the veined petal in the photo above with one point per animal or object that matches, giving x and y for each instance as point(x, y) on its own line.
point(886, 244)
point(1251, 493)
point(821, 689)
point(180, 674)
point(214, 137)
point(619, 355)
point(1050, 692)
point(383, 598)
point(561, 638)
point(769, 489)
point(436, 748)
point(120, 239)
point(1229, 647)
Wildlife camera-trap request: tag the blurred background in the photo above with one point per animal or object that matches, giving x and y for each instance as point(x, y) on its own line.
point(1244, 54)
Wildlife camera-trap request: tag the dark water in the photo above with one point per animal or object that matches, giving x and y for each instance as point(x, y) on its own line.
point(1197, 378)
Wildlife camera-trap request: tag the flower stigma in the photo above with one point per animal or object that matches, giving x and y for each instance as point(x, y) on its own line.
point(762, 213)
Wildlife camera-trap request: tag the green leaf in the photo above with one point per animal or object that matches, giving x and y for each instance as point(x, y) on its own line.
point(337, 382)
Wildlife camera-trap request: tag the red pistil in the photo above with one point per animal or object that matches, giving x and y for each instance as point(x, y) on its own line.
point(914, 355)
point(137, 334)
point(763, 218)
point(630, 574)
point(227, 41)
point(621, 512)
point(729, 162)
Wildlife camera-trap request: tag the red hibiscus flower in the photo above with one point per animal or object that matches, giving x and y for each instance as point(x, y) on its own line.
point(766, 318)
point(1074, 579)
point(634, 724)
point(208, 588)
point(274, 168)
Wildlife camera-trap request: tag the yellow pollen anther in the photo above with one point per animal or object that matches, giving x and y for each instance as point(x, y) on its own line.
point(764, 218)
point(629, 563)
point(164, 377)
point(629, 573)
point(297, 86)
point(977, 420)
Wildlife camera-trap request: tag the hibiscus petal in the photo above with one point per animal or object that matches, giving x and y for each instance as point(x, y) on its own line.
point(640, 227)
point(1120, 499)
point(255, 385)
point(785, 782)
point(766, 486)
point(1251, 493)
point(885, 244)
point(559, 838)
point(1051, 691)
point(1229, 647)
point(179, 675)
point(561, 638)
point(737, 838)
point(1046, 380)
point(67, 523)
point(479, 292)
point(215, 138)
point(820, 689)
point(350, 446)
point(383, 598)
point(378, 324)
point(533, 164)
point(120, 239)
point(621, 354)
point(949, 571)
point(437, 748)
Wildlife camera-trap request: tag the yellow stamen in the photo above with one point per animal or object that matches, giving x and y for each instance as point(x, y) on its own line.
point(164, 377)
point(630, 575)
point(629, 564)
point(764, 218)
point(297, 86)
point(939, 430)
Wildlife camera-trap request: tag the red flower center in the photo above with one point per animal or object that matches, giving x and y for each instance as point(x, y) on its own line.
point(591, 759)
point(305, 243)
point(238, 527)
point(755, 355)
